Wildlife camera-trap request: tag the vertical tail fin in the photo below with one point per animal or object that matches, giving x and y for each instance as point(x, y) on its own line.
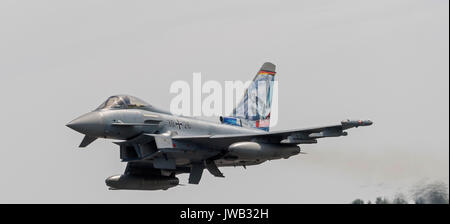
point(255, 107)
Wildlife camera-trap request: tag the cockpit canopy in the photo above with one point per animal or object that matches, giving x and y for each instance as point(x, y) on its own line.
point(124, 102)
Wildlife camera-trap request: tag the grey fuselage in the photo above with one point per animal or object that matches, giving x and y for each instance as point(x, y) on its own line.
point(107, 120)
point(177, 125)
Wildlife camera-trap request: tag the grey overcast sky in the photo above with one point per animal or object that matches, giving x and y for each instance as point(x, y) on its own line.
point(381, 60)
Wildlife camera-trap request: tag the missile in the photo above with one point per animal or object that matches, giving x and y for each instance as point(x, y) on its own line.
point(355, 123)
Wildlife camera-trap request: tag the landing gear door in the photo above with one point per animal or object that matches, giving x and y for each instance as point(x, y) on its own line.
point(163, 142)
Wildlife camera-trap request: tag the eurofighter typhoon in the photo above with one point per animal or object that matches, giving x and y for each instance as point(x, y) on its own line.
point(158, 145)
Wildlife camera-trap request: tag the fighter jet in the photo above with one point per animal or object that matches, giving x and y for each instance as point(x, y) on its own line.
point(158, 145)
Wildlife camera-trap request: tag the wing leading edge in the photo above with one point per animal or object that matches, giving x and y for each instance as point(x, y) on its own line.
point(296, 136)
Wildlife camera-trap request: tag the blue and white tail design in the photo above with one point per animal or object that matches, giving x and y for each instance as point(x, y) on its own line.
point(255, 107)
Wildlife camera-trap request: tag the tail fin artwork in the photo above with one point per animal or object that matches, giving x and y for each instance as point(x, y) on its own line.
point(255, 107)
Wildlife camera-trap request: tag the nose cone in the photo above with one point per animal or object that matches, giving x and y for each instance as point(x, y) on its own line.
point(89, 124)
